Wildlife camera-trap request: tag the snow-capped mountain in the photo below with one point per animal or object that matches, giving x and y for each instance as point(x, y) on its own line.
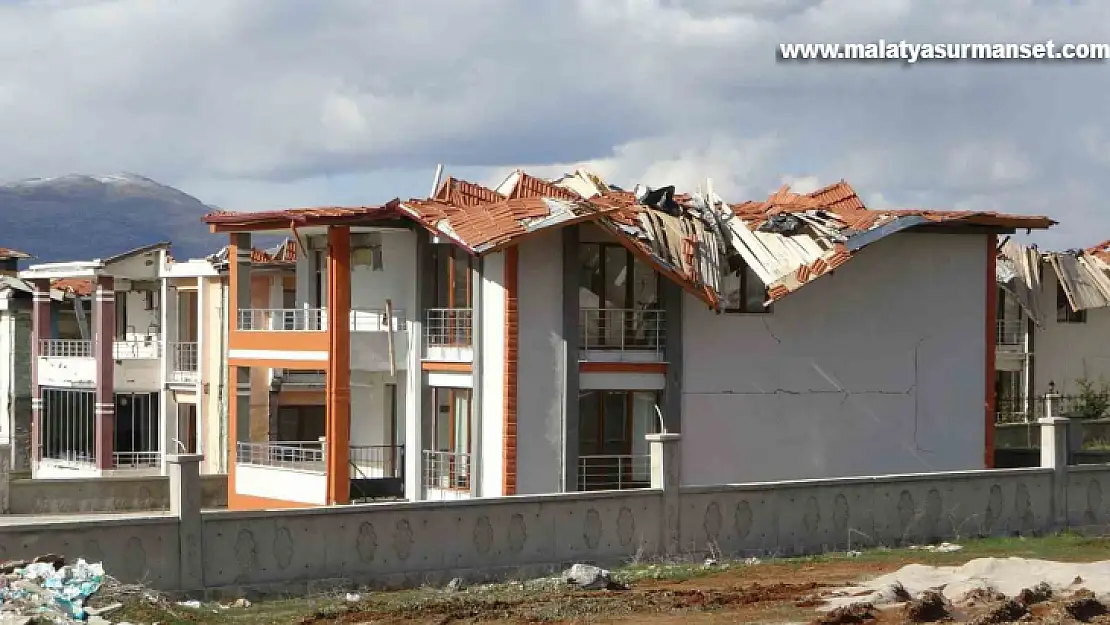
point(80, 217)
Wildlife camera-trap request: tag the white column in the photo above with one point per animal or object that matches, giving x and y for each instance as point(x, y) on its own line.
point(202, 360)
point(166, 360)
point(666, 461)
point(1054, 455)
point(414, 394)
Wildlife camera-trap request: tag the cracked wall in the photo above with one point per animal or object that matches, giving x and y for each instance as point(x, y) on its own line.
point(875, 369)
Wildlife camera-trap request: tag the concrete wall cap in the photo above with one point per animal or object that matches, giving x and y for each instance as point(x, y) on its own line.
point(1053, 420)
point(666, 436)
point(183, 458)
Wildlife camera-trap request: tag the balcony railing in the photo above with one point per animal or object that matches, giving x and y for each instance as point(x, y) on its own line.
point(184, 365)
point(137, 459)
point(302, 378)
point(1095, 405)
point(448, 327)
point(614, 472)
point(444, 470)
point(136, 349)
point(622, 329)
point(298, 455)
point(65, 348)
point(377, 461)
point(376, 320)
point(1010, 333)
point(281, 320)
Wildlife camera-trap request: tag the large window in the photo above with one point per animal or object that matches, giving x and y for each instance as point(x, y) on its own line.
point(743, 292)
point(452, 277)
point(449, 464)
point(612, 448)
point(1064, 312)
point(301, 423)
point(619, 297)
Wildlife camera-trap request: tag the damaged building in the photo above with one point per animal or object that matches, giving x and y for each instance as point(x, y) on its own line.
point(1053, 325)
point(525, 338)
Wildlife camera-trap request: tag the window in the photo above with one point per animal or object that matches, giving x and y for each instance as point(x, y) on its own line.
point(743, 292)
point(1064, 312)
point(452, 276)
point(121, 315)
point(300, 423)
point(450, 465)
point(617, 294)
point(612, 445)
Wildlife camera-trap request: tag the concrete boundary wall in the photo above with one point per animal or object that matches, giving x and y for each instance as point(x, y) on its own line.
point(409, 544)
point(106, 494)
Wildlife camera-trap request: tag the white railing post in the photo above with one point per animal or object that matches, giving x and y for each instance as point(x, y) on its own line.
point(1054, 455)
point(666, 461)
point(185, 504)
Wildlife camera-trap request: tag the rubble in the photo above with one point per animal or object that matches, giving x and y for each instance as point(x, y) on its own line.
point(48, 590)
point(590, 577)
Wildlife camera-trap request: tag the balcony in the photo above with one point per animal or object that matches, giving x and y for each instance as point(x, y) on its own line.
point(622, 335)
point(1010, 334)
point(300, 379)
point(297, 470)
point(614, 472)
point(446, 475)
point(377, 320)
point(184, 365)
point(281, 320)
point(147, 348)
point(448, 333)
point(65, 348)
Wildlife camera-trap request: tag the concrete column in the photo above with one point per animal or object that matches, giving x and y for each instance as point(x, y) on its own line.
point(40, 331)
point(167, 411)
point(104, 340)
point(414, 376)
point(338, 444)
point(1054, 455)
point(5, 477)
point(185, 503)
point(571, 335)
point(202, 368)
point(672, 296)
point(666, 459)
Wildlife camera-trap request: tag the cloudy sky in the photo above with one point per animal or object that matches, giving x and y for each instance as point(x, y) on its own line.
point(254, 104)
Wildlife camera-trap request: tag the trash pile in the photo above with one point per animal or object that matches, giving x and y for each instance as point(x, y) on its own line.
point(48, 589)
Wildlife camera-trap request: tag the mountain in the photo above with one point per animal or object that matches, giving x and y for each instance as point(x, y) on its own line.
point(78, 217)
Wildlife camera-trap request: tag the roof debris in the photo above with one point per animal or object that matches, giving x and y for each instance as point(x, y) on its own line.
point(7, 252)
point(788, 240)
point(1083, 275)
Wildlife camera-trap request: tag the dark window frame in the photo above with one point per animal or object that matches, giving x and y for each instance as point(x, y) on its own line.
point(747, 276)
point(1064, 312)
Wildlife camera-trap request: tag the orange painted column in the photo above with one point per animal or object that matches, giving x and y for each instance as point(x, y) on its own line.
point(991, 332)
point(338, 432)
point(512, 339)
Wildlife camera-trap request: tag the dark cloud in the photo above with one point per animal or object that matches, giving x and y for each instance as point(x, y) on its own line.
point(279, 93)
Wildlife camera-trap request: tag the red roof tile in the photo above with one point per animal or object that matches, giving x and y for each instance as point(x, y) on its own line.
point(7, 252)
point(77, 286)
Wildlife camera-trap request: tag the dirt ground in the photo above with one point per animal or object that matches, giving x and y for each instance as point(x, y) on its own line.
point(780, 591)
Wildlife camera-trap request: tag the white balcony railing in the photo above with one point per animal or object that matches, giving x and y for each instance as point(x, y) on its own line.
point(65, 348)
point(137, 459)
point(185, 362)
point(138, 349)
point(1010, 333)
point(377, 461)
point(448, 327)
point(614, 472)
point(447, 471)
point(305, 378)
point(376, 320)
point(298, 455)
point(622, 329)
point(281, 320)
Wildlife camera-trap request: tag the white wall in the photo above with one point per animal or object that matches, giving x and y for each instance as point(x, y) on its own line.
point(876, 369)
point(140, 321)
point(541, 365)
point(1065, 352)
point(369, 403)
point(396, 280)
point(137, 375)
point(492, 365)
point(68, 372)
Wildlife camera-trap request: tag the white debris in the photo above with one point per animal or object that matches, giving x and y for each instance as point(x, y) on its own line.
point(192, 603)
point(353, 597)
point(941, 548)
point(753, 561)
point(588, 577)
point(1008, 576)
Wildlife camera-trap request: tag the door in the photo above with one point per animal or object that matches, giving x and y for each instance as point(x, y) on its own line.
point(187, 426)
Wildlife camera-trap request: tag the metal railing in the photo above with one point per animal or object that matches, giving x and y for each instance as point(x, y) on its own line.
point(65, 348)
point(377, 461)
point(376, 320)
point(281, 320)
point(444, 470)
point(622, 329)
point(69, 457)
point(1010, 333)
point(298, 455)
point(448, 327)
point(137, 459)
point(302, 377)
point(184, 363)
point(136, 349)
point(614, 472)
point(1030, 409)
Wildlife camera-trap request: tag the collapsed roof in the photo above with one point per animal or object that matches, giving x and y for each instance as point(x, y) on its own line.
point(788, 240)
point(1083, 275)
